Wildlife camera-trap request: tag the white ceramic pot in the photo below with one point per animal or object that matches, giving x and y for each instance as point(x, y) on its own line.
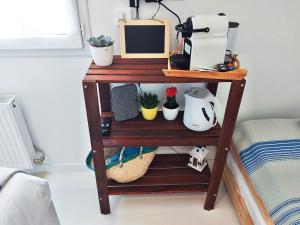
point(170, 114)
point(103, 56)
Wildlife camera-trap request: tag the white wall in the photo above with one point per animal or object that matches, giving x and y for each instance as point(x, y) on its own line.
point(49, 92)
point(49, 88)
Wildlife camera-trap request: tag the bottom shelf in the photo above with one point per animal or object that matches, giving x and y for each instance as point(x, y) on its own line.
point(168, 173)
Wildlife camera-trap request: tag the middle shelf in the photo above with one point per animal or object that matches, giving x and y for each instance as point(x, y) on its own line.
point(158, 132)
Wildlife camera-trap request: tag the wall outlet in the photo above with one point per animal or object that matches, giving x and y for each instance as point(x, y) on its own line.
point(122, 14)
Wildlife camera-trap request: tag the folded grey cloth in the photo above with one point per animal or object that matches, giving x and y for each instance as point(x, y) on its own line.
point(6, 174)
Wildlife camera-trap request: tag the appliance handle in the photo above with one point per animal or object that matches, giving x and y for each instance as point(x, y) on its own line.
point(216, 107)
point(180, 28)
point(215, 115)
point(207, 118)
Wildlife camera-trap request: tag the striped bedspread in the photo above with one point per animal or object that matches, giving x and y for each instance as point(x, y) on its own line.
point(274, 169)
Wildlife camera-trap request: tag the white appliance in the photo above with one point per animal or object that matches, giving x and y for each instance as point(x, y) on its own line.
point(205, 40)
point(232, 36)
point(200, 109)
point(16, 148)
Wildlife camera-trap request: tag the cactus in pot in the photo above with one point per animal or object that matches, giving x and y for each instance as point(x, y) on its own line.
point(171, 107)
point(149, 105)
point(102, 50)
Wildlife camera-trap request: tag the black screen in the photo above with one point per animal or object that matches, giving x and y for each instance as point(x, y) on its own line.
point(145, 39)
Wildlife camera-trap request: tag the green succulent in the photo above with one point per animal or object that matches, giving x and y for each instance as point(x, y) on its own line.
point(149, 101)
point(100, 41)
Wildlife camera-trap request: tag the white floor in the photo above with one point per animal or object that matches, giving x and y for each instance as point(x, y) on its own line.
point(75, 199)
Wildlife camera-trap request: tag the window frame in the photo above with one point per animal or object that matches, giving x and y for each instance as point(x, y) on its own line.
point(63, 49)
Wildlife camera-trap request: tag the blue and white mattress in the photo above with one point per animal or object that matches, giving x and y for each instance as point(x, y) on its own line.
point(270, 152)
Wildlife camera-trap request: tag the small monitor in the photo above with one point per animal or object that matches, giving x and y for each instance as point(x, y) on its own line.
point(144, 38)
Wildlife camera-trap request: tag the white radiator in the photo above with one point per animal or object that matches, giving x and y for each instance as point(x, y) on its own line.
point(16, 148)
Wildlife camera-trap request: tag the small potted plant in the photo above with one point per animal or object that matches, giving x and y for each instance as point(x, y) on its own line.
point(171, 107)
point(102, 50)
point(149, 105)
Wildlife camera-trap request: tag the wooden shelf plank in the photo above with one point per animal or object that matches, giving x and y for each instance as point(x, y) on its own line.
point(137, 71)
point(142, 78)
point(148, 180)
point(161, 141)
point(131, 190)
point(166, 161)
point(238, 74)
point(159, 132)
point(167, 173)
point(106, 71)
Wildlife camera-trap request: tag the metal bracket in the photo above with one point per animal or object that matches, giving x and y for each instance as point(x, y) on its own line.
point(42, 157)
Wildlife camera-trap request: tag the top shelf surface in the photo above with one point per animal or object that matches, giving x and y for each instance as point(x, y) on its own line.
point(125, 70)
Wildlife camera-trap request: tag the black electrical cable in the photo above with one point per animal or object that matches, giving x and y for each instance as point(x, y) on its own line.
point(171, 11)
point(174, 149)
point(137, 14)
point(138, 9)
point(156, 12)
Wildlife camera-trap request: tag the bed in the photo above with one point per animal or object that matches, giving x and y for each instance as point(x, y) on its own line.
point(25, 199)
point(262, 174)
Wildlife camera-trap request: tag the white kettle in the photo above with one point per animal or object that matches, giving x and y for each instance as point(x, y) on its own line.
point(199, 112)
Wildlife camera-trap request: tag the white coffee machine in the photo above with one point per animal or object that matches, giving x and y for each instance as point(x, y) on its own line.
point(205, 41)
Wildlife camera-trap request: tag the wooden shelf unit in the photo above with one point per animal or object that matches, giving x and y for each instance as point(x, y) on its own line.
point(167, 173)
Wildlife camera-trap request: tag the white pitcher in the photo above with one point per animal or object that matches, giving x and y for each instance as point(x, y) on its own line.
point(200, 109)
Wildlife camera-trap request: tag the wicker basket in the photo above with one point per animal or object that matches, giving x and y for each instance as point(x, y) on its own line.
point(127, 170)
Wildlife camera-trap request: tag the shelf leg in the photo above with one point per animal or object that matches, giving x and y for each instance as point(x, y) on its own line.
point(232, 108)
point(93, 115)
